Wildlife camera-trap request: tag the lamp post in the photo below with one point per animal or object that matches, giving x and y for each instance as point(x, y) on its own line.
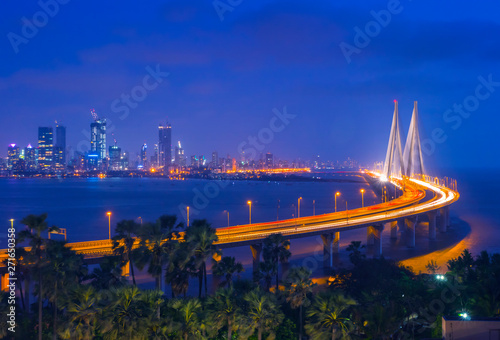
point(140, 218)
point(346, 213)
point(249, 212)
point(298, 207)
point(187, 213)
point(225, 211)
point(336, 195)
point(278, 211)
point(362, 198)
point(314, 207)
point(109, 224)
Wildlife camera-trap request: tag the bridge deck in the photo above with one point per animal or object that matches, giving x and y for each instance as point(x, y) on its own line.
point(409, 204)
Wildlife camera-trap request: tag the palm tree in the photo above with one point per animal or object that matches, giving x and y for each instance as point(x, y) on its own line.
point(186, 315)
point(157, 243)
point(124, 316)
point(355, 255)
point(226, 267)
point(201, 238)
point(64, 269)
point(83, 312)
point(153, 300)
point(36, 256)
point(123, 242)
point(267, 270)
point(297, 286)
point(108, 274)
point(329, 316)
point(180, 268)
point(262, 312)
point(223, 310)
point(275, 250)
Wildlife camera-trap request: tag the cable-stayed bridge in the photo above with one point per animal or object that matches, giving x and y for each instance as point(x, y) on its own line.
point(422, 198)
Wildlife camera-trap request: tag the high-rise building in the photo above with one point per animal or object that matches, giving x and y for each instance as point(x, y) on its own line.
point(269, 160)
point(115, 157)
point(165, 145)
point(12, 156)
point(215, 159)
point(60, 146)
point(98, 141)
point(125, 160)
point(30, 158)
point(144, 158)
point(45, 147)
point(180, 158)
point(195, 162)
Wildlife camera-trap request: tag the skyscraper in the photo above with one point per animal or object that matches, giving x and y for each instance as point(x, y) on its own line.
point(115, 157)
point(98, 141)
point(144, 156)
point(60, 146)
point(269, 160)
point(215, 159)
point(45, 147)
point(165, 145)
point(12, 156)
point(180, 158)
point(30, 157)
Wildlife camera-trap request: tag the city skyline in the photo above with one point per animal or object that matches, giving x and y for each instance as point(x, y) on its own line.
point(215, 86)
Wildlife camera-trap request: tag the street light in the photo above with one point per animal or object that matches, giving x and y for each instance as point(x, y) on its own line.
point(362, 198)
point(314, 207)
point(140, 218)
point(346, 212)
point(249, 212)
point(109, 223)
point(225, 211)
point(278, 211)
point(336, 194)
point(298, 207)
point(187, 213)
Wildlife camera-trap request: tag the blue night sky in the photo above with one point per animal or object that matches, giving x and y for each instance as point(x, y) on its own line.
point(226, 76)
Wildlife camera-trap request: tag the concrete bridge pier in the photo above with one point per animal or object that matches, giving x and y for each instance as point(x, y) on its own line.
point(369, 236)
point(285, 267)
point(377, 240)
point(394, 229)
point(5, 282)
point(447, 216)
point(256, 252)
point(432, 215)
point(336, 242)
point(442, 221)
point(327, 250)
point(126, 270)
point(216, 279)
point(410, 223)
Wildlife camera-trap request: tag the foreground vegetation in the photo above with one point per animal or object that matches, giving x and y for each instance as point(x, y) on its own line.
point(374, 299)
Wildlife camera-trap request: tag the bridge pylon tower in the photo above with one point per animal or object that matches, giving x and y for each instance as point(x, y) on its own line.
point(394, 165)
point(412, 155)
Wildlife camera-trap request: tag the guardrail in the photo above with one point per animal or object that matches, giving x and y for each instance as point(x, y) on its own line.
point(407, 205)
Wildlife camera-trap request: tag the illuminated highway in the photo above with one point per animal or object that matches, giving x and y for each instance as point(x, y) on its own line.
point(411, 203)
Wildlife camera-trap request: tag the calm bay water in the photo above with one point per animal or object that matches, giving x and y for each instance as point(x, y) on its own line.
point(80, 205)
